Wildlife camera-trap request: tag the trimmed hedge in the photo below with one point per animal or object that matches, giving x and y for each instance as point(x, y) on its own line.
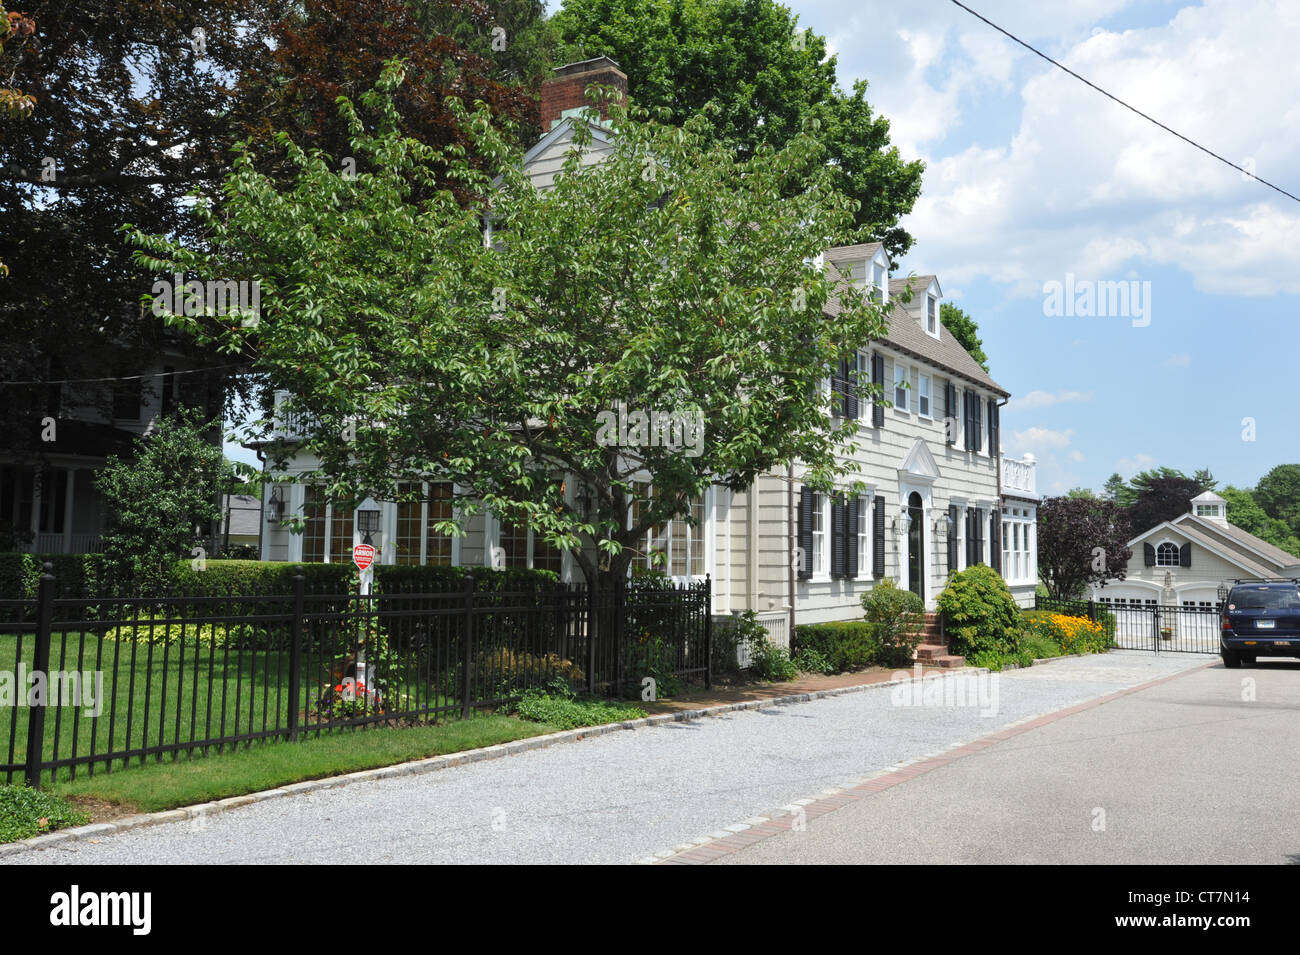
point(845, 645)
point(20, 573)
point(980, 614)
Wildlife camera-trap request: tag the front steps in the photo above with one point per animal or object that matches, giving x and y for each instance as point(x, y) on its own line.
point(933, 648)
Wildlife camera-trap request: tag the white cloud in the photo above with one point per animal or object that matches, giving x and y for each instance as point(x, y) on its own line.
point(1034, 439)
point(1076, 456)
point(1131, 466)
point(1045, 399)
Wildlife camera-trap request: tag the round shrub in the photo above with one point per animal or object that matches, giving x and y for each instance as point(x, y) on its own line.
point(898, 616)
point(979, 613)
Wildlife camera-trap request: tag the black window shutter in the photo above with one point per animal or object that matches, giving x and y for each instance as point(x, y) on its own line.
point(995, 448)
point(878, 379)
point(850, 387)
point(1148, 555)
point(977, 419)
point(851, 538)
point(806, 501)
point(952, 536)
point(878, 538)
point(966, 422)
point(839, 534)
point(1185, 556)
point(995, 539)
point(970, 538)
point(950, 419)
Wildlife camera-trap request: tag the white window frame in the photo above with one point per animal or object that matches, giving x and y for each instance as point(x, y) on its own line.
point(820, 557)
point(864, 534)
point(925, 398)
point(901, 375)
point(1161, 548)
point(932, 315)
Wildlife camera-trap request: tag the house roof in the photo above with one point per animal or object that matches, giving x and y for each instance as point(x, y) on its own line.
point(906, 335)
point(1266, 550)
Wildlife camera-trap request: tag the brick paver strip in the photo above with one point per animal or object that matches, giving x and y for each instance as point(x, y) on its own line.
point(822, 804)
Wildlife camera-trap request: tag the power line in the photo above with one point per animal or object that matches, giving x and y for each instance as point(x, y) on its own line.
point(159, 374)
point(1149, 119)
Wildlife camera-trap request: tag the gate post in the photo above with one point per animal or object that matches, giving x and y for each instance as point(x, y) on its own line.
point(1092, 610)
point(1155, 628)
point(708, 632)
point(468, 682)
point(295, 652)
point(40, 666)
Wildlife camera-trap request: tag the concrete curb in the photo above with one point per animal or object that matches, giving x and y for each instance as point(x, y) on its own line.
point(430, 764)
point(435, 763)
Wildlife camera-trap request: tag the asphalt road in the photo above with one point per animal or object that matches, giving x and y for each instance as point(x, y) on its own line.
point(1185, 772)
point(622, 797)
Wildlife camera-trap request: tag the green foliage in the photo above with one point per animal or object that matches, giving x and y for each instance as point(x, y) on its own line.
point(568, 712)
point(723, 325)
point(965, 331)
point(1278, 493)
point(843, 645)
point(993, 660)
point(898, 616)
point(979, 613)
point(764, 76)
point(164, 503)
point(770, 661)
point(809, 660)
point(28, 812)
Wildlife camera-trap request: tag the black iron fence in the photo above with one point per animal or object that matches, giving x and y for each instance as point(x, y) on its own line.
point(108, 680)
point(1155, 627)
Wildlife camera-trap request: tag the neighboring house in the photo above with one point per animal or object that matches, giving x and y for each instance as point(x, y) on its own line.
point(939, 496)
point(1186, 561)
point(47, 494)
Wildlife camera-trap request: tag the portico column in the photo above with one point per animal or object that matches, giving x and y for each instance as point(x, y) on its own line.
point(67, 511)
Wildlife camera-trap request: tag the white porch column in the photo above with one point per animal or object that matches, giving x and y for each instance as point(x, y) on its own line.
point(67, 511)
point(36, 507)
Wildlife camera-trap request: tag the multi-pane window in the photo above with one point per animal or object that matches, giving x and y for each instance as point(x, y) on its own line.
point(864, 537)
point(1207, 510)
point(923, 396)
point(900, 386)
point(819, 535)
point(313, 534)
point(513, 540)
point(417, 522)
point(1167, 555)
point(931, 314)
point(681, 543)
point(877, 282)
point(341, 535)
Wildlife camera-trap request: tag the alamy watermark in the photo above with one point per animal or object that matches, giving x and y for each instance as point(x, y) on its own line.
point(948, 690)
point(673, 430)
point(77, 688)
point(1085, 298)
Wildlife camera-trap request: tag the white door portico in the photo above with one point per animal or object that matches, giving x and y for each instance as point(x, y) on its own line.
point(916, 476)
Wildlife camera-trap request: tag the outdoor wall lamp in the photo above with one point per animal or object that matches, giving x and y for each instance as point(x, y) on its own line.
point(275, 506)
point(368, 519)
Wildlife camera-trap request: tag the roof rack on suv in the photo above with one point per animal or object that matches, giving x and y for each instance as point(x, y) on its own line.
point(1267, 580)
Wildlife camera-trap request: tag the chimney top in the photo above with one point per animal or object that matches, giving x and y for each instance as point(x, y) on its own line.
point(566, 91)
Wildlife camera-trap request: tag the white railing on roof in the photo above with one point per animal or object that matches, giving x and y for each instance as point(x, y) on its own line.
point(1020, 475)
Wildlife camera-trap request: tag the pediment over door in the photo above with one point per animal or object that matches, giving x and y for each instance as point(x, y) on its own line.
point(918, 466)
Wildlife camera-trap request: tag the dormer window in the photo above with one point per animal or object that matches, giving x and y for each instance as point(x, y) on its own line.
point(1208, 510)
point(878, 283)
point(932, 315)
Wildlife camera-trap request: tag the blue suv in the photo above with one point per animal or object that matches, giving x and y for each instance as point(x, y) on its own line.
point(1261, 618)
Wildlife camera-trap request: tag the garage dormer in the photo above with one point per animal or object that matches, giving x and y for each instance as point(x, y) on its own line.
point(1210, 507)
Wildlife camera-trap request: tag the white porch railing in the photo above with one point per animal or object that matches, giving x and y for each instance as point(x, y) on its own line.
point(76, 544)
point(1020, 476)
point(290, 425)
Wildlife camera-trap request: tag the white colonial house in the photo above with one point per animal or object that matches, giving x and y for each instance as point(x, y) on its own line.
point(1191, 560)
point(939, 495)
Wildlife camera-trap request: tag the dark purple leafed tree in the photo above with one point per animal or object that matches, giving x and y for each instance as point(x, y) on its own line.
point(1081, 541)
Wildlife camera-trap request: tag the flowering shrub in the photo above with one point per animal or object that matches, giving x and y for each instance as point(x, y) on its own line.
point(1073, 634)
point(502, 671)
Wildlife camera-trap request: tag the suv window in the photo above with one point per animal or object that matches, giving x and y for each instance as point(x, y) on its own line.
point(1266, 598)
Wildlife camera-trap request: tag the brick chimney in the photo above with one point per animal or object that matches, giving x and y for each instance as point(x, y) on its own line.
point(568, 88)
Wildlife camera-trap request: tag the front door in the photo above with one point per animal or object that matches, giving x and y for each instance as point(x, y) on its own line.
point(915, 545)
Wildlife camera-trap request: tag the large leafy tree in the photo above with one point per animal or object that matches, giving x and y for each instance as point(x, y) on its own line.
point(1161, 494)
point(671, 278)
point(1081, 541)
point(1278, 493)
point(766, 74)
point(965, 331)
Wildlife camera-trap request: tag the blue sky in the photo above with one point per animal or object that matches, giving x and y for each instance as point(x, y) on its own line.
point(1032, 176)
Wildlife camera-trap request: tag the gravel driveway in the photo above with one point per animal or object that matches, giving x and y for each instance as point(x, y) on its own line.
point(614, 798)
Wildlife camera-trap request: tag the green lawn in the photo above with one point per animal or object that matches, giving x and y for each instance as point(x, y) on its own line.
point(197, 779)
point(176, 692)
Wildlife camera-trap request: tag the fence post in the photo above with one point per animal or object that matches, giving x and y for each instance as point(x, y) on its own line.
point(708, 632)
point(593, 630)
point(468, 657)
point(295, 651)
point(40, 665)
point(1155, 628)
point(1092, 610)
